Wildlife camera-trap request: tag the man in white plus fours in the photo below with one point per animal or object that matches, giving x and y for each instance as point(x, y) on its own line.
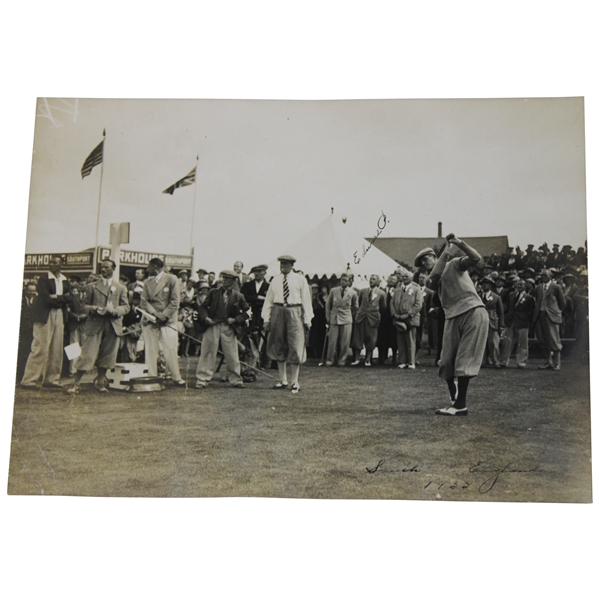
point(287, 315)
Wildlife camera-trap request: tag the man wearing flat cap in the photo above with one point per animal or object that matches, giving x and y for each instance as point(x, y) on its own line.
point(222, 312)
point(466, 320)
point(255, 293)
point(287, 315)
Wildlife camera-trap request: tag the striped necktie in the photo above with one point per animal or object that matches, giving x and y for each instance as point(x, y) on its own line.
point(285, 290)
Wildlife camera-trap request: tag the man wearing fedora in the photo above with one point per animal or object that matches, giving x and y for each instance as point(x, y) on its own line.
point(406, 304)
point(255, 293)
point(223, 312)
point(105, 303)
point(466, 320)
point(287, 315)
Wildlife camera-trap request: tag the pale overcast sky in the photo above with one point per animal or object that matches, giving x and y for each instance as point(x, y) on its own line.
point(269, 172)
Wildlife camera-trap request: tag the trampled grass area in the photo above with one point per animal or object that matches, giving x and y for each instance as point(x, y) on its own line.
point(349, 433)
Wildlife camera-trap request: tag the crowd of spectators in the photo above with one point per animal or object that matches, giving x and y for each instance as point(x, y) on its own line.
point(501, 275)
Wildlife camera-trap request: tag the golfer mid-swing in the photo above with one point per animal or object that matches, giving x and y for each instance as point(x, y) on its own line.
point(467, 320)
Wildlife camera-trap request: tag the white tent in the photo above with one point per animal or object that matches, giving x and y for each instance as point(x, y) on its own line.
point(332, 248)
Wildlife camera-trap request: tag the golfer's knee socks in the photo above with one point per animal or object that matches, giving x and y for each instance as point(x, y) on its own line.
point(452, 388)
point(460, 401)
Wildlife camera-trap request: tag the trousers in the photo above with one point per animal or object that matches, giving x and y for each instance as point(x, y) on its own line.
point(154, 336)
point(45, 359)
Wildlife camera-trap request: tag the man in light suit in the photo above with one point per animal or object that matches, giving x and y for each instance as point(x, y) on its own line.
point(160, 298)
point(371, 305)
point(405, 311)
point(49, 313)
point(550, 302)
point(341, 307)
point(105, 303)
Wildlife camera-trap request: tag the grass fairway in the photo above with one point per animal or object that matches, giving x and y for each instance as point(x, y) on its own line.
point(349, 433)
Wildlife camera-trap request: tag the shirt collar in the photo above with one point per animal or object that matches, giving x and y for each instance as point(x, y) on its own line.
point(159, 275)
point(60, 276)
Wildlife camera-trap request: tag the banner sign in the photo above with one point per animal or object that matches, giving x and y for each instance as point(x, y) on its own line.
point(133, 258)
point(81, 261)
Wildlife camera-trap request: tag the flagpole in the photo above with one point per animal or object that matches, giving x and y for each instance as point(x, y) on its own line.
point(193, 209)
point(96, 249)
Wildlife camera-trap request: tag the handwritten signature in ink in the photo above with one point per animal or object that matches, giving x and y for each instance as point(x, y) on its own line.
point(381, 223)
point(489, 483)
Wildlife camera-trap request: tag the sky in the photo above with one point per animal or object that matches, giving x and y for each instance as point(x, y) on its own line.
point(270, 171)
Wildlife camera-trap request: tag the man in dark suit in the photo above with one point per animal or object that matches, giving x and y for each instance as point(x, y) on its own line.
point(371, 305)
point(45, 359)
point(387, 336)
point(224, 312)
point(550, 303)
point(494, 307)
point(105, 303)
point(254, 293)
point(160, 297)
point(517, 320)
point(26, 328)
point(240, 277)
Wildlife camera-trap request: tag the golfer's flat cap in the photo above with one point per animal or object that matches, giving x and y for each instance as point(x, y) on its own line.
point(228, 274)
point(487, 279)
point(422, 253)
point(203, 285)
point(286, 258)
point(183, 272)
point(259, 267)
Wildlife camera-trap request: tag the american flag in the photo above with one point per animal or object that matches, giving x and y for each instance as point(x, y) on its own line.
point(189, 179)
point(93, 159)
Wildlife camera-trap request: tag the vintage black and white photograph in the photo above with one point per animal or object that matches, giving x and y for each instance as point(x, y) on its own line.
point(377, 299)
point(408, 185)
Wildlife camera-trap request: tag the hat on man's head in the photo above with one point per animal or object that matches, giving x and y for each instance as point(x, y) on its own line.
point(259, 267)
point(202, 270)
point(287, 258)
point(228, 274)
point(487, 279)
point(203, 285)
point(500, 277)
point(421, 254)
point(183, 272)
